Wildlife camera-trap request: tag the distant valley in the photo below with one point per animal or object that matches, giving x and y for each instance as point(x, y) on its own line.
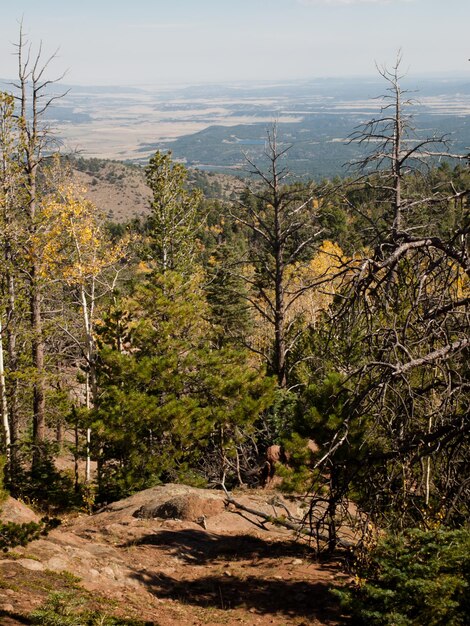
point(212, 127)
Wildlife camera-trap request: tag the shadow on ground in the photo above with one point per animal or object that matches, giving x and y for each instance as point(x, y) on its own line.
point(198, 547)
point(8, 618)
point(263, 594)
point(258, 595)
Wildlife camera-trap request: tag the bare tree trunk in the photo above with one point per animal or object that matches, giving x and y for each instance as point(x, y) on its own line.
point(13, 365)
point(91, 390)
point(75, 459)
point(39, 396)
point(30, 153)
point(279, 245)
point(88, 431)
point(9, 182)
point(282, 225)
point(4, 403)
point(396, 159)
point(279, 319)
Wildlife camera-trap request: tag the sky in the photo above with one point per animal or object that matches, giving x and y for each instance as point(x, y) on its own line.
point(156, 42)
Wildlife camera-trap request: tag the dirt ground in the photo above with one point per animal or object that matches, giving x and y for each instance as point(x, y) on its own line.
point(198, 562)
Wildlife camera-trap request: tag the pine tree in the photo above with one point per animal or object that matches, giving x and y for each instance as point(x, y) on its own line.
point(175, 214)
point(168, 393)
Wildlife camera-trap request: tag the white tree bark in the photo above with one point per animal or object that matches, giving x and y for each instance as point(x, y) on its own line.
point(4, 400)
point(87, 311)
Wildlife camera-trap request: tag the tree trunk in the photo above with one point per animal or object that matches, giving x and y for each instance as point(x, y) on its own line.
point(39, 396)
point(4, 404)
point(91, 388)
point(13, 366)
point(279, 319)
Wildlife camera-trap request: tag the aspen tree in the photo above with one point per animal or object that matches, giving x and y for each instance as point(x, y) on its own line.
point(76, 250)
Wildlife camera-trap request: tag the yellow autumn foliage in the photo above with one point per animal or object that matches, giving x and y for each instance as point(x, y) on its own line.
point(309, 289)
point(314, 282)
point(72, 242)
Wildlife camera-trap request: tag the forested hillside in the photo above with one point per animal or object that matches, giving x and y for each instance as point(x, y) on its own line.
point(180, 340)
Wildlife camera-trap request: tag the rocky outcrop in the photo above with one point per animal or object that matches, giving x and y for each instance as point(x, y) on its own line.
point(187, 507)
point(12, 510)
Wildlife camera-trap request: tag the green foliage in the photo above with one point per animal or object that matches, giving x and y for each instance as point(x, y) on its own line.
point(12, 534)
point(321, 411)
point(226, 295)
point(415, 578)
point(66, 609)
point(281, 416)
point(297, 475)
point(322, 414)
point(175, 217)
point(334, 220)
point(170, 392)
point(42, 480)
point(224, 246)
point(3, 491)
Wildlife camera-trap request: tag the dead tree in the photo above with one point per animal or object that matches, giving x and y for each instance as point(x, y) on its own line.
point(283, 229)
point(33, 102)
point(402, 322)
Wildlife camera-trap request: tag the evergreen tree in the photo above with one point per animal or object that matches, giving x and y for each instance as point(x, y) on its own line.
point(175, 214)
point(168, 393)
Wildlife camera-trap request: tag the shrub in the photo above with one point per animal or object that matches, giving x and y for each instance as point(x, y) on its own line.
point(12, 534)
point(415, 578)
point(41, 481)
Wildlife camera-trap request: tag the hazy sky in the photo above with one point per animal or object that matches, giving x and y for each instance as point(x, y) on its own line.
point(160, 41)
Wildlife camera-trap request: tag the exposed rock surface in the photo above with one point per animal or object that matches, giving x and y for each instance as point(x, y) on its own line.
point(12, 510)
point(151, 555)
point(188, 507)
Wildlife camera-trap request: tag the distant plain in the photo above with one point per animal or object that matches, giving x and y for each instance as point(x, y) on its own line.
point(213, 127)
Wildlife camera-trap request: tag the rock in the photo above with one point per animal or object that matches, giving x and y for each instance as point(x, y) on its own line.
point(57, 564)
point(118, 572)
point(12, 510)
point(188, 507)
point(131, 581)
point(8, 608)
point(108, 572)
point(31, 564)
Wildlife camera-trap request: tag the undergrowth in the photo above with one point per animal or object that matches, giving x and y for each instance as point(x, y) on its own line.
point(68, 609)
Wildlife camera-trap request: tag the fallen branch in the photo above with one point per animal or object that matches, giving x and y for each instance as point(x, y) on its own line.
point(282, 521)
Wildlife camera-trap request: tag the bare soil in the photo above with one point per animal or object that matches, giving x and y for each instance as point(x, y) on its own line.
point(199, 562)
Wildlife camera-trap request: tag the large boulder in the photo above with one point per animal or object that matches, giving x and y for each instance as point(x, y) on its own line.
point(188, 507)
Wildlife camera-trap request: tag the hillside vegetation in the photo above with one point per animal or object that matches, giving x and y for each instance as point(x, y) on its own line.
point(167, 326)
point(120, 190)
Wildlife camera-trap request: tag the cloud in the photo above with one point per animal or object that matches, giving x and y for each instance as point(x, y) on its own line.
point(349, 2)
